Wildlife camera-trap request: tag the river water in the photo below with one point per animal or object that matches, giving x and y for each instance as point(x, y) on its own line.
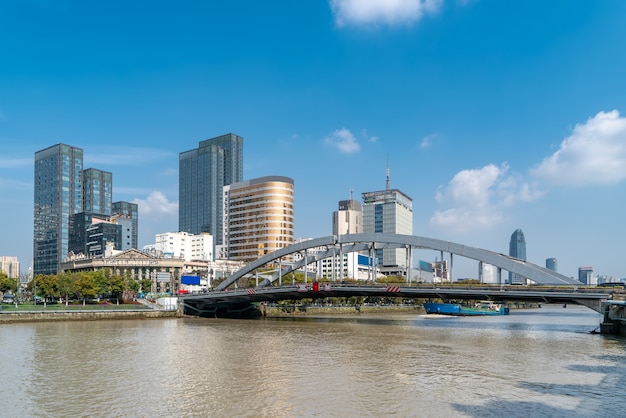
point(539, 362)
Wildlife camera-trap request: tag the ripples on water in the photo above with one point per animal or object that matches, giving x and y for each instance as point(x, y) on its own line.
point(531, 363)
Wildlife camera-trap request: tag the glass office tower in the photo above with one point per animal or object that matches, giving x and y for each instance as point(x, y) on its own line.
point(388, 211)
point(517, 249)
point(127, 215)
point(58, 195)
point(203, 173)
point(97, 191)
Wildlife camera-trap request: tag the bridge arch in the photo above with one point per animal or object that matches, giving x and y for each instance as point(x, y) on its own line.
point(336, 244)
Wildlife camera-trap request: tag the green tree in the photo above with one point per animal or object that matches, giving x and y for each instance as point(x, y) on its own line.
point(145, 285)
point(7, 284)
point(65, 285)
point(117, 286)
point(85, 286)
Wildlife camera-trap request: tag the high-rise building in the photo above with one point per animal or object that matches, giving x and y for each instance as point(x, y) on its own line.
point(585, 275)
point(10, 266)
point(203, 173)
point(388, 211)
point(517, 249)
point(97, 191)
point(127, 215)
point(58, 195)
point(551, 264)
point(259, 215)
point(349, 218)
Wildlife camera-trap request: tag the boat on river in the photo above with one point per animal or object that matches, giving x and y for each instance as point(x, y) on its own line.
point(481, 308)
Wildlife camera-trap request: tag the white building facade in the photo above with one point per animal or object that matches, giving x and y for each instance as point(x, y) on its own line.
point(185, 245)
point(10, 266)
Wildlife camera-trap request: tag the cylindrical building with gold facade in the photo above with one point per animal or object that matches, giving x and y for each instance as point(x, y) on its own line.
point(259, 217)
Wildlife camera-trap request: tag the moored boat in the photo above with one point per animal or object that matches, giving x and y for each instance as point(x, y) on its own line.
point(455, 309)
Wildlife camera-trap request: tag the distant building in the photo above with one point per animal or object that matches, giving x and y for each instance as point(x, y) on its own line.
point(258, 217)
point(388, 211)
point(184, 245)
point(10, 266)
point(487, 273)
point(127, 215)
point(58, 195)
point(203, 172)
point(551, 264)
point(349, 218)
point(517, 249)
point(585, 275)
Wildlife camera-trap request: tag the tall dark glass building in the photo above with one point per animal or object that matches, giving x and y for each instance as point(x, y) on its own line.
point(203, 173)
point(127, 215)
point(58, 195)
point(517, 249)
point(97, 191)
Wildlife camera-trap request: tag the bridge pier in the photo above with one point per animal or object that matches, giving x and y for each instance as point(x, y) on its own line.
point(613, 318)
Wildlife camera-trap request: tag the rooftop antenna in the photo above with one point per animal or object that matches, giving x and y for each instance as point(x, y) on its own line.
point(351, 194)
point(388, 182)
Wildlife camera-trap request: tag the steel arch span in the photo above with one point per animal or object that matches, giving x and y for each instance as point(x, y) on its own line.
point(338, 244)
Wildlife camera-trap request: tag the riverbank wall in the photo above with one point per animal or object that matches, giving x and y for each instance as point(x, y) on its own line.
point(46, 316)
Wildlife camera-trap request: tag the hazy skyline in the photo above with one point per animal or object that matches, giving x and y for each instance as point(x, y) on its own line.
point(492, 116)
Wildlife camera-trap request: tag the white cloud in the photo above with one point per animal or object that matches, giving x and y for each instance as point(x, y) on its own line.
point(475, 198)
point(344, 141)
point(390, 12)
point(595, 153)
point(156, 204)
point(427, 141)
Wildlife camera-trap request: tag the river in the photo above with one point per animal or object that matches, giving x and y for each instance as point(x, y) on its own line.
point(537, 362)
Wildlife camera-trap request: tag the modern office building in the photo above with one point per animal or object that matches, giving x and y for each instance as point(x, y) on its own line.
point(349, 218)
point(97, 191)
point(388, 211)
point(185, 245)
point(551, 264)
point(259, 217)
point(203, 172)
point(585, 275)
point(10, 266)
point(517, 249)
point(58, 194)
point(127, 215)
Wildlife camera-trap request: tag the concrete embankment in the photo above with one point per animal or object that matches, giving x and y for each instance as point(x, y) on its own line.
point(290, 310)
point(42, 316)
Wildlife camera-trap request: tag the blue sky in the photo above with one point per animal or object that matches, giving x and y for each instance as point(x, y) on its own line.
point(492, 115)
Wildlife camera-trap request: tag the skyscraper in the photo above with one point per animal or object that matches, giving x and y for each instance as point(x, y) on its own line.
point(551, 264)
point(58, 195)
point(259, 217)
point(388, 211)
point(517, 249)
point(97, 191)
point(203, 172)
point(127, 215)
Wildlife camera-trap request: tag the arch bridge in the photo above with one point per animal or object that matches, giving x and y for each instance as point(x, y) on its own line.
point(270, 289)
point(340, 244)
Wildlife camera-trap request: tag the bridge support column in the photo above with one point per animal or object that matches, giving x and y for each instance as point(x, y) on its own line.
point(280, 271)
point(451, 267)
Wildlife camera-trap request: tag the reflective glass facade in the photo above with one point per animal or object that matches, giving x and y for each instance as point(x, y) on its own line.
point(97, 191)
point(57, 196)
point(260, 216)
point(203, 173)
point(517, 249)
point(388, 211)
point(128, 216)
